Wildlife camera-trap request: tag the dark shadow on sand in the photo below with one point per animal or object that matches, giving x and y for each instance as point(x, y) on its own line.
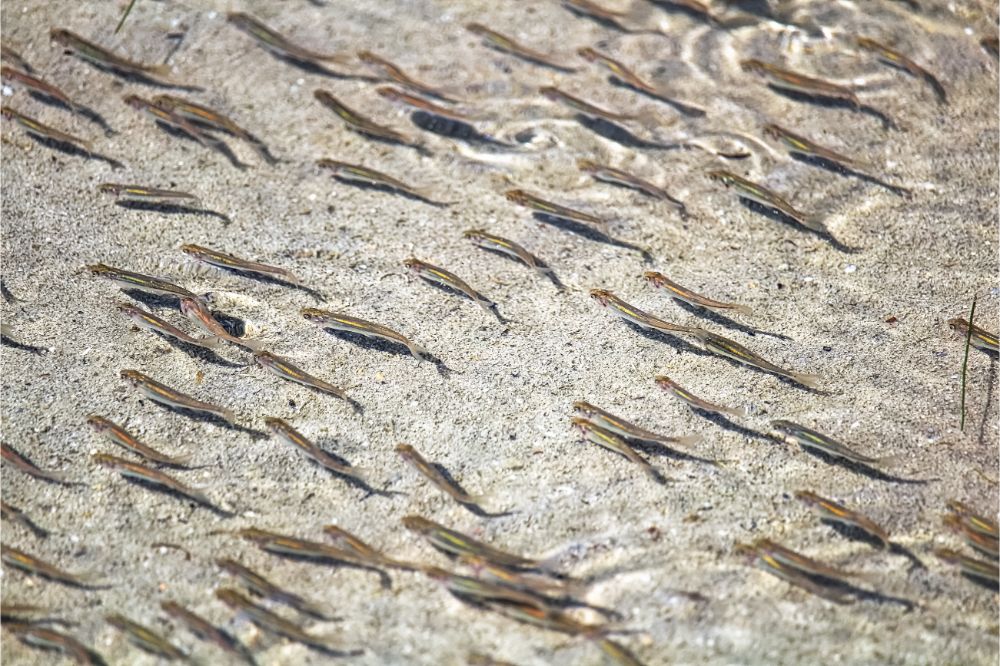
point(164, 490)
point(681, 107)
point(453, 129)
point(385, 580)
point(672, 339)
point(726, 424)
point(22, 346)
point(456, 292)
point(78, 109)
point(170, 209)
point(389, 189)
point(863, 469)
point(198, 352)
point(843, 170)
point(590, 233)
point(777, 216)
point(205, 417)
point(135, 77)
point(725, 321)
point(75, 151)
point(836, 103)
point(470, 506)
point(855, 533)
point(618, 134)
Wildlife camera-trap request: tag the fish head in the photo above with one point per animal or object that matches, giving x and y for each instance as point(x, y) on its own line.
point(517, 196)
point(133, 377)
point(417, 524)
point(653, 278)
point(413, 264)
point(550, 92)
point(783, 426)
point(7, 112)
point(389, 93)
point(231, 598)
point(773, 131)
point(98, 423)
point(190, 249)
point(581, 424)
point(584, 408)
point(368, 58)
point(405, 450)
point(957, 324)
point(587, 54)
point(61, 36)
point(746, 551)
point(751, 65)
point(806, 496)
point(191, 307)
point(333, 165)
point(109, 188)
point(135, 101)
point(602, 296)
point(476, 28)
point(99, 270)
point(720, 176)
point(473, 234)
point(587, 166)
point(314, 315)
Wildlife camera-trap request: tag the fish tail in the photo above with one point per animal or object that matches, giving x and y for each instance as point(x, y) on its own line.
point(687, 440)
point(743, 309)
point(228, 415)
point(815, 222)
point(812, 381)
point(486, 304)
point(890, 461)
point(163, 71)
point(739, 412)
point(252, 345)
point(211, 342)
point(418, 352)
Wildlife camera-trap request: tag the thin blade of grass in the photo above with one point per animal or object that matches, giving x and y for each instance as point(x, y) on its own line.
point(965, 361)
point(121, 21)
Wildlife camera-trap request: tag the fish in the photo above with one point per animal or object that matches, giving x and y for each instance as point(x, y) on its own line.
point(767, 562)
point(151, 322)
point(11, 75)
point(616, 68)
point(478, 590)
point(508, 45)
point(550, 619)
point(267, 621)
point(281, 367)
point(987, 571)
point(396, 74)
point(14, 58)
point(609, 174)
point(793, 433)
point(489, 241)
point(796, 143)
point(984, 543)
point(360, 124)
point(340, 321)
point(105, 59)
point(163, 115)
point(831, 510)
point(634, 315)
point(419, 463)
point(262, 587)
point(661, 281)
point(206, 631)
point(145, 638)
point(623, 428)
point(287, 433)
point(971, 519)
point(396, 95)
point(896, 59)
point(561, 590)
point(607, 439)
point(537, 204)
point(277, 43)
point(733, 350)
point(135, 470)
point(195, 310)
point(618, 653)
point(346, 540)
point(448, 279)
point(19, 559)
point(596, 12)
point(454, 543)
point(806, 85)
point(11, 456)
point(980, 338)
point(759, 194)
point(694, 401)
point(231, 262)
point(582, 106)
point(118, 435)
point(211, 118)
point(288, 546)
point(129, 280)
point(16, 515)
point(43, 131)
point(165, 395)
point(810, 567)
point(360, 173)
point(50, 639)
point(144, 193)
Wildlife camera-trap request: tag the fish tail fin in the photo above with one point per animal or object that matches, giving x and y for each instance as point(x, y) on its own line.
point(743, 309)
point(890, 461)
point(228, 415)
point(177, 461)
point(252, 345)
point(291, 277)
point(687, 440)
point(812, 381)
point(418, 352)
point(815, 222)
point(164, 71)
point(739, 412)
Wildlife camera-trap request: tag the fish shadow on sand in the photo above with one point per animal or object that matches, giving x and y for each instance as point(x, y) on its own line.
point(855, 533)
point(163, 490)
point(861, 468)
point(198, 352)
point(205, 417)
point(85, 111)
point(836, 167)
point(836, 103)
point(672, 339)
point(861, 593)
point(212, 143)
point(142, 79)
point(394, 143)
point(682, 108)
point(590, 233)
point(453, 129)
point(93, 659)
point(470, 506)
point(14, 344)
point(170, 209)
point(389, 189)
point(777, 216)
point(351, 480)
point(981, 582)
point(526, 58)
point(387, 346)
point(618, 134)
point(75, 151)
point(153, 301)
point(259, 146)
point(457, 292)
point(315, 68)
point(385, 580)
point(271, 279)
point(549, 273)
point(726, 424)
point(988, 403)
point(725, 321)
point(663, 450)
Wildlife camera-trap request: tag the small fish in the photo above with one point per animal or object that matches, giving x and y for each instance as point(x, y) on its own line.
point(345, 539)
point(129, 280)
point(211, 118)
point(143, 193)
point(793, 433)
point(975, 521)
point(988, 571)
point(14, 58)
point(507, 45)
point(477, 590)
point(661, 281)
point(489, 241)
point(10, 75)
point(789, 558)
point(550, 619)
point(281, 367)
point(165, 395)
point(454, 543)
point(16, 515)
point(562, 590)
point(344, 322)
point(206, 631)
point(396, 74)
point(783, 78)
point(623, 310)
point(596, 12)
point(694, 401)
point(145, 474)
point(830, 510)
point(618, 653)
point(896, 59)
point(419, 463)
point(615, 176)
point(151, 322)
point(43, 131)
point(737, 352)
point(766, 562)
point(11, 456)
point(262, 587)
point(803, 146)
point(535, 203)
point(980, 338)
point(358, 172)
point(984, 543)
point(126, 440)
point(50, 639)
point(616, 68)
point(448, 279)
point(363, 125)
point(276, 43)
point(231, 262)
point(286, 432)
point(403, 97)
point(759, 194)
point(145, 638)
point(267, 621)
point(620, 426)
point(29, 563)
point(167, 117)
point(195, 310)
point(607, 439)
point(582, 106)
point(77, 45)
point(288, 546)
